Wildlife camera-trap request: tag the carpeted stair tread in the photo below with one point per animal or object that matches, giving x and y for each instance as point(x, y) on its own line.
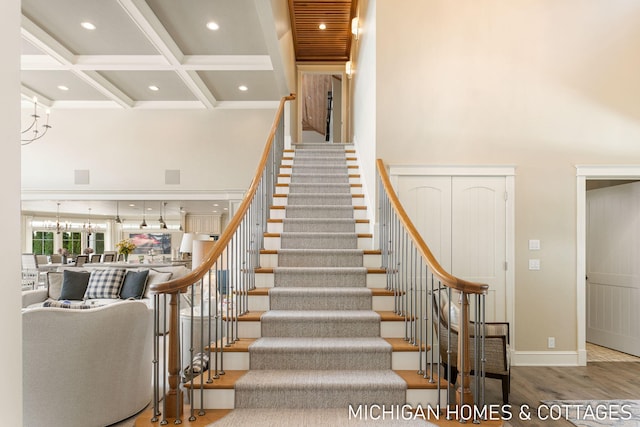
point(318, 388)
point(318, 211)
point(325, 199)
point(320, 353)
point(310, 240)
point(319, 188)
point(315, 298)
point(320, 323)
point(320, 276)
point(319, 225)
point(337, 178)
point(320, 257)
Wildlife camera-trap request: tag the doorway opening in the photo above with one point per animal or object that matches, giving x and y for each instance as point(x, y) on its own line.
point(321, 106)
point(587, 174)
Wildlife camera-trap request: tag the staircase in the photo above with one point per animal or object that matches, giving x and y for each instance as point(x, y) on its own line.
point(321, 331)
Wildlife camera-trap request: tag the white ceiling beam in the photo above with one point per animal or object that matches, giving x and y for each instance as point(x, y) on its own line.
point(148, 22)
point(227, 62)
point(47, 44)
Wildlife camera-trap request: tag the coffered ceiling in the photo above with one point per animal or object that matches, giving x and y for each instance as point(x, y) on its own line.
point(166, 44)
point(141, 44)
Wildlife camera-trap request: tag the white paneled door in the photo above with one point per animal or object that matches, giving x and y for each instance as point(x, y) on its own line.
point(463, 220)
point(613, 267)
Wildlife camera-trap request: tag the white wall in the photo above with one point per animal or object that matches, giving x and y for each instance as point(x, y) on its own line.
point(364, 96)
point(129, 150)
point(539, 84)
point(10, 295)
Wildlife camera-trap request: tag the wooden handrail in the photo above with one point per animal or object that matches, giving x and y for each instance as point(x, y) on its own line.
point(181, 284)
point(446, 278)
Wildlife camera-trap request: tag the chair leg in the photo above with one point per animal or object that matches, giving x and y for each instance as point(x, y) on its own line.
point(506, 386)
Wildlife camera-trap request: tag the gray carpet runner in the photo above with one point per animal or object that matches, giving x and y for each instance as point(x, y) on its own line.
point(321, 344)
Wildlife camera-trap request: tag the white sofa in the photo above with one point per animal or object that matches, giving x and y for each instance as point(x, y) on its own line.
point(35, 298)
point(86, 368)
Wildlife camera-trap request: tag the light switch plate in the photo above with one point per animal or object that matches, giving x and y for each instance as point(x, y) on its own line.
point(534, 245)
point(534, 264)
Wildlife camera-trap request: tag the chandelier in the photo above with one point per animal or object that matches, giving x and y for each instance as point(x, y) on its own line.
point(88, 227)
point(33, 133)
point(58, 226)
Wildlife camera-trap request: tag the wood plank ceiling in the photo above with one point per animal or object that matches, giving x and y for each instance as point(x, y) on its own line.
point(332, 44)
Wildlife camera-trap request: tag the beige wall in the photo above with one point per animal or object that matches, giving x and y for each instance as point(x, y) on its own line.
point(10, 319)
point(129, 151)
point(539, 84)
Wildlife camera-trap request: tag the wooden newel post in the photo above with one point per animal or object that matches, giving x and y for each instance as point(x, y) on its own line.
point(464, 396)
point(174, 398)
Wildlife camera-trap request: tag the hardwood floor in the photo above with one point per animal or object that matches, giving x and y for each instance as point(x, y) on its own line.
point(529, 386)
point(598, 380)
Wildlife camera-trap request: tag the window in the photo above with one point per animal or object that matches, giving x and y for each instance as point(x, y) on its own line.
point(72, 242)
point(42, 242)
point(99, 243)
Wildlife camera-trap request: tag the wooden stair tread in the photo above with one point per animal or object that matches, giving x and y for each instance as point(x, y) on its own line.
point(210, 416)
point(250, 316)
point(400, 344)
point(225, 382)
point(417, 381)
point(390, 316)
point(239, 346)
point(288, 175)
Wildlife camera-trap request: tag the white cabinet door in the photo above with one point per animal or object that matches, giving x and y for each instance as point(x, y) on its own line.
point(613, 270)
point(463, 220)
point(479, 237)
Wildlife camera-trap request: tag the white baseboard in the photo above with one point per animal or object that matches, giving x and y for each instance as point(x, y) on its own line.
point(545, 358)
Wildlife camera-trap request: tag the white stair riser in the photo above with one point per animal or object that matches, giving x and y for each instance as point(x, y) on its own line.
point(426, 398)
point(382, 303)
point(273, 243)
point(374, 280)
point(405, 360)
point(215, 399)
point(369, 261)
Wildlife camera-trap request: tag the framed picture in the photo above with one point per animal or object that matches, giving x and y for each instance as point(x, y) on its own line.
point(159, 242)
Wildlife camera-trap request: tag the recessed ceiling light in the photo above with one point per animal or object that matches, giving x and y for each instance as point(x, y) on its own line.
point(88, 25)
point(322, 26)
point(132, 205)
point(213, 26)
point(63, 87)
point(216, 204)
point(154, 88)
point(243, 88)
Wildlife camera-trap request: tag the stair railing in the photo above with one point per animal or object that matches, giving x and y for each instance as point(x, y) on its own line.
point(423, 290)
point(215, 294)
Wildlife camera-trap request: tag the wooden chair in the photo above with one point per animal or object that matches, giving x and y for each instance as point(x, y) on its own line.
point(496, 345)
point(81, 260)
point(56, 258)
point(95, 258)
